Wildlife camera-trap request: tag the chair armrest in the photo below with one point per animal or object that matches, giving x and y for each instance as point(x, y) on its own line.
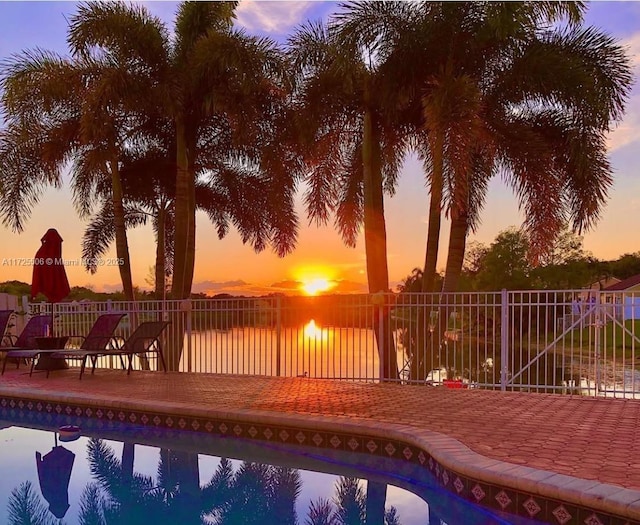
point(118, 341)
point(104, 341)
point(12, 339)
point(75, 345)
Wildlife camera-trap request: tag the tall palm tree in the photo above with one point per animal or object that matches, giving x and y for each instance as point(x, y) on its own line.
point(65, 109)
point(552, 150)
point(353, 145)
point(489, 103)
point(215, 84)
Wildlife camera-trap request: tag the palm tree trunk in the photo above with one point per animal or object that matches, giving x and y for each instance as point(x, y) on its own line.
point(181, 286)
point(160, 253)
point(122, 246)
point(457, 246)
point(422, 355)
point(375, 240)
point(184, 240)
point(435, 212)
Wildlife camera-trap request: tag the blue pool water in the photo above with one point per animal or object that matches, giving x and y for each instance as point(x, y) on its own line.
point(128, 475)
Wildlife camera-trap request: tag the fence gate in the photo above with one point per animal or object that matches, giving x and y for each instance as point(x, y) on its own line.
point(573, 342)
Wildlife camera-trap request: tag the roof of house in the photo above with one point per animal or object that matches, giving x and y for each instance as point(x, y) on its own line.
point(625, 284)
point(603, 283)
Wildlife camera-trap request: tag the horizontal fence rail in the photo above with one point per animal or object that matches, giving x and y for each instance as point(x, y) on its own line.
point(571, 342)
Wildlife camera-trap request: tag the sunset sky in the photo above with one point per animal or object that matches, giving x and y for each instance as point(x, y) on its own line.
point(228, 266)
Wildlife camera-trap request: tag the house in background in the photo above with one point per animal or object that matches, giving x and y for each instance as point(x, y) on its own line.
point(630, 284)
point(630, 296)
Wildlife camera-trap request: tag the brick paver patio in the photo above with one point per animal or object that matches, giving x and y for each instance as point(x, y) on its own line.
point(583, 437)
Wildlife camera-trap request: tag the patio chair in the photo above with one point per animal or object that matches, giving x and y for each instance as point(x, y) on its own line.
point(99, 337)
point(35, 327)
point(145, 339)
point(5, 315)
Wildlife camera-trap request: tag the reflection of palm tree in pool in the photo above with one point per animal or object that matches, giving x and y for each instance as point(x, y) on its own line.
point(352, 506)
point(128, 497)
point(25, 506)
point(256, 494)
point(261, 494)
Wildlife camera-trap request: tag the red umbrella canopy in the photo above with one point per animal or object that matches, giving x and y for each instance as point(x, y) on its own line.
point(49, 275)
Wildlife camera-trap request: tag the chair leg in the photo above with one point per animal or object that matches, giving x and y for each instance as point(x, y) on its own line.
point(33, 364)
point(164, 365)
point(82, 366)
point(130, 367)
point(4, 364)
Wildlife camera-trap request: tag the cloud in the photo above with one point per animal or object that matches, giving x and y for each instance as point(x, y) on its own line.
point(344, 286)
point(628, 131)
point(270, 16)
point(287, 285)
point(213, 287)
point(337, 286)
point(106, 288)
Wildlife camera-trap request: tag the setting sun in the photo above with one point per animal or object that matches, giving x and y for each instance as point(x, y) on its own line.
point(315, 286)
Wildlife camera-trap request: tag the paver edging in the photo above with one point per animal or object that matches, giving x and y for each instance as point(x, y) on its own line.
point(447, 457)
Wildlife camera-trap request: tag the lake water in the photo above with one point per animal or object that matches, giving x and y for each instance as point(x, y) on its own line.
point(310, 349)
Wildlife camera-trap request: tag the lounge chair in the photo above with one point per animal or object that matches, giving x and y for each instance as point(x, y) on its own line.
point(5, 315)
point(145, 339)
point(99, 337)
point(35, 327)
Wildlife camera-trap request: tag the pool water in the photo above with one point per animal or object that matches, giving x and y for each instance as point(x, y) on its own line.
point(124, 474)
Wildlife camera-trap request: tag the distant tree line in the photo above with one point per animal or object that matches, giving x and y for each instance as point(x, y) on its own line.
point(508, 263)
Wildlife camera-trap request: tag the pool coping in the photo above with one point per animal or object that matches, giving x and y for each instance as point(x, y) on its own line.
point(506, 487)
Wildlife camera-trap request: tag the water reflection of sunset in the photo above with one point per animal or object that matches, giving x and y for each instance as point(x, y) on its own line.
point(312, 331)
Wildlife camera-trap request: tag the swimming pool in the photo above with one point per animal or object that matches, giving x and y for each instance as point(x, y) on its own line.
point(119, 473)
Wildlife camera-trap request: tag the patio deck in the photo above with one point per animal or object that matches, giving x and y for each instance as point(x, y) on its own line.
point(579, 451)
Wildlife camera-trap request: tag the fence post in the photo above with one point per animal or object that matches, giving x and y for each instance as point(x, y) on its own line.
point(595, 316)
point(278, 334)
point(381, 341)
point(504, 340)
point(188, 330)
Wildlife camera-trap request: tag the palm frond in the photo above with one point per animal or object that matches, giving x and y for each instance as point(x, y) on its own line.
point(197, 19)
point(26, 507)
point(92, 506)
point(127, 31)
point(100, 232)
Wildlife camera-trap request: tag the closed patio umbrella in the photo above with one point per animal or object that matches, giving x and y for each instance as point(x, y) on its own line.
point(54, 473)
point(50, 279)
point(49, 275)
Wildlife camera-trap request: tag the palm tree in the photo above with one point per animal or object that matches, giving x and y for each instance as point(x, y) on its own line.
point(352, 144)
point(553, 150)
point(59, 110)
point(488, 103)
point(215, 84)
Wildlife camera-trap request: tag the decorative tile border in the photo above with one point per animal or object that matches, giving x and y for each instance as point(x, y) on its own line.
point(498, 498)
